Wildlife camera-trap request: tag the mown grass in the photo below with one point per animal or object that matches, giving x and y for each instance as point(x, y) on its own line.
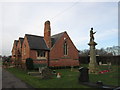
point(109, 78)
point(69, 78)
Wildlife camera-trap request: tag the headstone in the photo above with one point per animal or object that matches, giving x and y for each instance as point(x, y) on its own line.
point(84, 76)
point(109, 65)
point(71, 68)
point(40, 69)
point(100, 63)
point(46, 73)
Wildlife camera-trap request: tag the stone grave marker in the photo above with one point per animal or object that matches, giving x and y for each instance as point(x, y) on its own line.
point(47, 73)
point(84, 76)
point(100, 63)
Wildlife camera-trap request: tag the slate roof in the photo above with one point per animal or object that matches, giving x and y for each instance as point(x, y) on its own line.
point(16, 42)
point(36, 42)
point(21, 40)
point(56, 37)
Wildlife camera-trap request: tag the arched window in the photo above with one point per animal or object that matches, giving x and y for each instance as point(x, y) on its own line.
point(65, 48)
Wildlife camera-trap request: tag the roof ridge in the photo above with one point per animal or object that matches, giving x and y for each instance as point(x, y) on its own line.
point(21, 38)
point(58, 33)
point(33, 35)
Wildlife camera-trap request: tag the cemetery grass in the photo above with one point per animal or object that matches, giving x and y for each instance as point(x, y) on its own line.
point(108, 78)
point(69, 79)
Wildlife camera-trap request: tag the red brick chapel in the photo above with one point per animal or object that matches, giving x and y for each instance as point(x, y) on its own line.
point(56, 50)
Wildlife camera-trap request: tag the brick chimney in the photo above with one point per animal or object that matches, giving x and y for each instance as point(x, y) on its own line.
point(47, 33)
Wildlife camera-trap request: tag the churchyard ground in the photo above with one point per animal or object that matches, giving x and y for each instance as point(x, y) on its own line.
point(69, 78)
point(109, 78)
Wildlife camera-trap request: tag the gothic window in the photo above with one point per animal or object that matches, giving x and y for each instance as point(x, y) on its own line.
point(65, 48)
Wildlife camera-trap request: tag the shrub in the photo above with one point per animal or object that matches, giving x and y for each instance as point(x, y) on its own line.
point(29, 64)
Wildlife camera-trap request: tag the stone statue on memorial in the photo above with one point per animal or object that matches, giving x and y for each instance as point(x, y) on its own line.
point(92, 35)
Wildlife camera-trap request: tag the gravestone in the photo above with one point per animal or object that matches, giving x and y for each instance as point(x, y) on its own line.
point(84, 76)
point(47, 73)
point(71, 68)
point(109, 65)
point(40, 69)
point(100, 63)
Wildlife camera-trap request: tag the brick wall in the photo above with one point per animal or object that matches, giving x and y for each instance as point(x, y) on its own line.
point(57, 50)
point(57, 56)
point(33, 54)
point(14, 50)
point(19, 51)
point(25, 49)
point(64, 62)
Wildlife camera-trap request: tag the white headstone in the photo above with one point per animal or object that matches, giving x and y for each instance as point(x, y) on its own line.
point(100, 63)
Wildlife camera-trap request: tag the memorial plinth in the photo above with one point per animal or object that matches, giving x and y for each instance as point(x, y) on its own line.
point(93, 67)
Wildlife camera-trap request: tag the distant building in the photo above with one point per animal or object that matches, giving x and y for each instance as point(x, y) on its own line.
point(14, 49)
point(19, 50)
point(58, 49)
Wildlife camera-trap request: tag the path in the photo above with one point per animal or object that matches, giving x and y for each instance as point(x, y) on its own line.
point(10, 81)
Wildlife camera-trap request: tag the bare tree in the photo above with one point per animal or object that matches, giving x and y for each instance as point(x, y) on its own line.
point(84, 52)
point(109, 51)
point(115, 50)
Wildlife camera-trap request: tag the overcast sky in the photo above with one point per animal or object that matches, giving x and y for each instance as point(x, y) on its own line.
point(20, 18)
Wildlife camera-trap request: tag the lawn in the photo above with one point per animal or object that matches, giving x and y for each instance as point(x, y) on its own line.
point(109, 78)
point(69, 78)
